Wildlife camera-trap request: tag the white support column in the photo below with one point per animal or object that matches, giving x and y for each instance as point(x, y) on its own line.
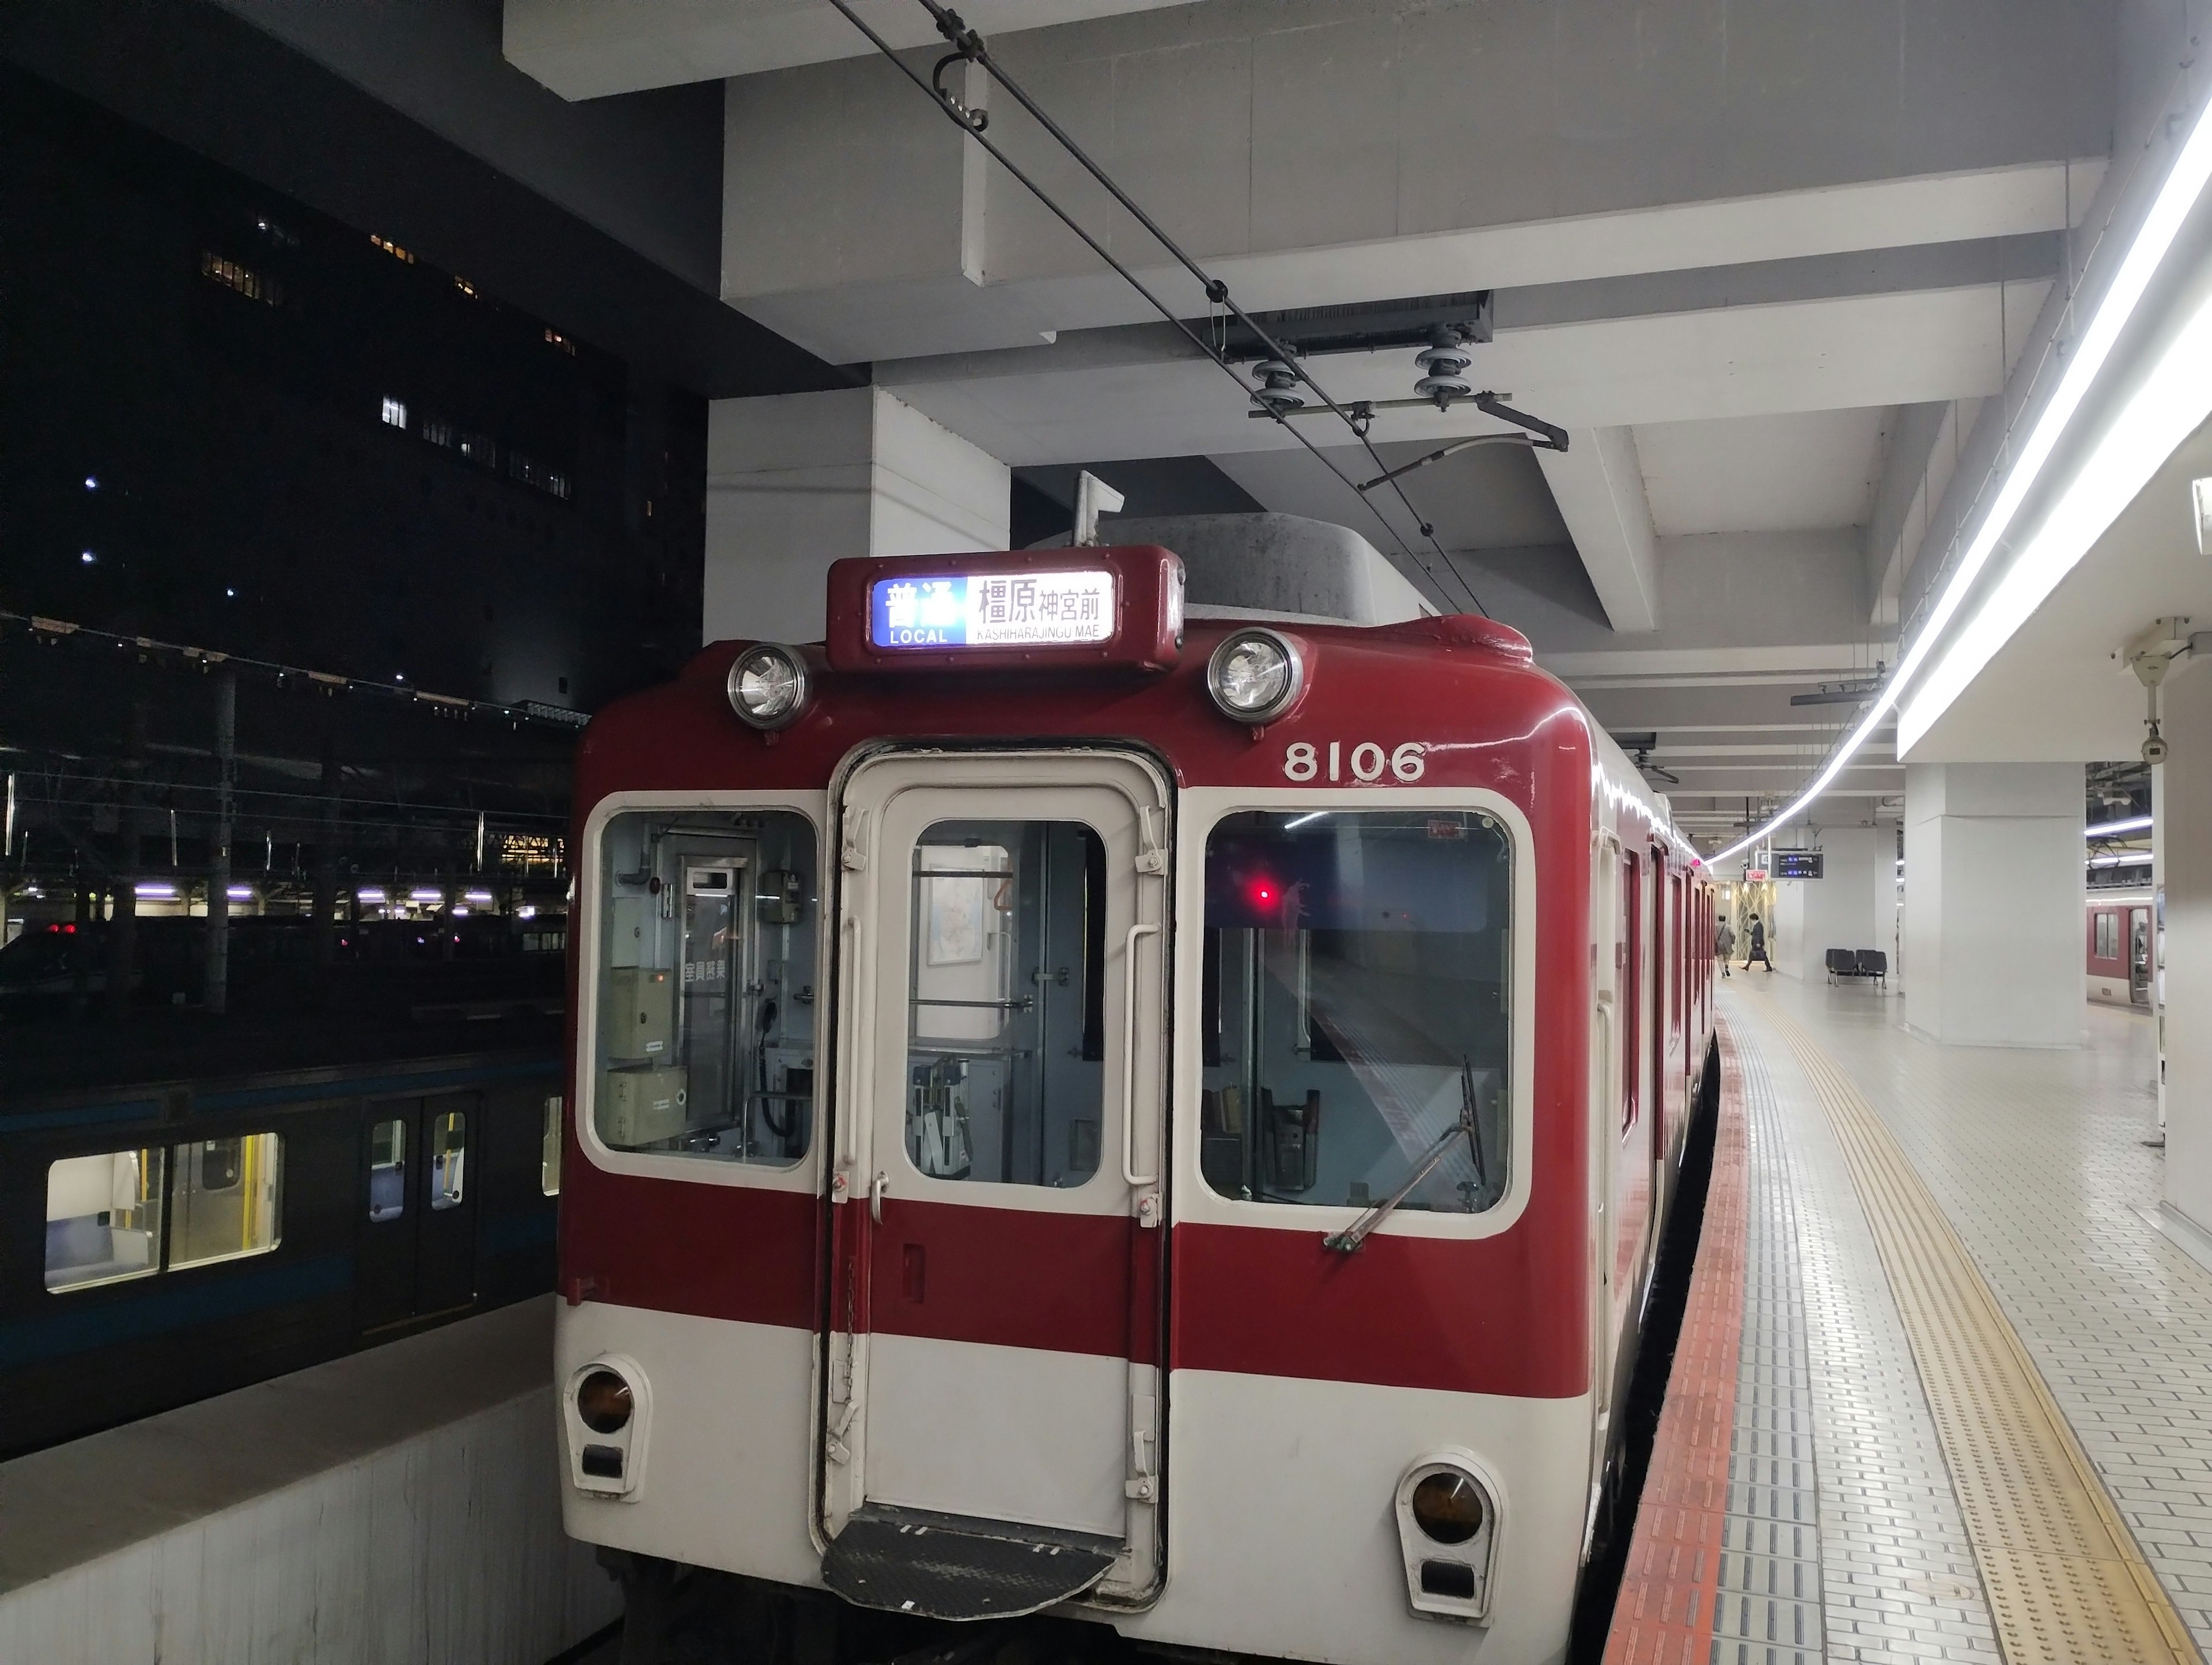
point(2183, 844)
point(1835, 910)
point(798, 480)
point(1993, 904)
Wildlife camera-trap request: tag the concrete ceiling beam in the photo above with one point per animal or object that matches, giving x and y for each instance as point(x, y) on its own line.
point(1349, 150)
point(1599, 487)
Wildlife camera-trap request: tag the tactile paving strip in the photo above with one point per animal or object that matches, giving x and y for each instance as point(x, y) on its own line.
point(2066, 1581)
point(1769, 1610)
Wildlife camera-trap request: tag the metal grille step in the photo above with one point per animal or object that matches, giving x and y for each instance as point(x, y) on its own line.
point(950, 1567)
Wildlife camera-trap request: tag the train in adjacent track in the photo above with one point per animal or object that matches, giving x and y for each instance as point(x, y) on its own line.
point(1135, 1086)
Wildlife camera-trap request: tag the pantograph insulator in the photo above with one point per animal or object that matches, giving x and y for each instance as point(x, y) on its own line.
point(1279, 383)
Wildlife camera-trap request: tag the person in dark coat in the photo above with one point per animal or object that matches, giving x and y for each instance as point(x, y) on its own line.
point(1757, 956)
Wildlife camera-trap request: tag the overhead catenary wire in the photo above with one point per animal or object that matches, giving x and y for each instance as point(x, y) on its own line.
point(968, 45)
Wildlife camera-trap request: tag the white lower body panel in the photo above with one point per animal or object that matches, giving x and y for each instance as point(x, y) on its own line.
point(1000, 1433)
point(727, 1477)
point(1281, 1538)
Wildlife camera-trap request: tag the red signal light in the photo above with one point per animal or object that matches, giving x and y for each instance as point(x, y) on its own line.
point(1265, 893)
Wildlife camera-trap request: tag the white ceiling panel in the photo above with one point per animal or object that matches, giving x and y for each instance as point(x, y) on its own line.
point(1801, 472)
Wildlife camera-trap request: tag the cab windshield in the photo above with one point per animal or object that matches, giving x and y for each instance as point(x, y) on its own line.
point(1357, 1006)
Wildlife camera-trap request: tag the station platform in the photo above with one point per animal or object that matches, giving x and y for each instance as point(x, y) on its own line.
point(400, 1504)
point(1943, 1389)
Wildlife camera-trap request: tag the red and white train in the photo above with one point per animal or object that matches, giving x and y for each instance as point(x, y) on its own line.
point(1163, 1117)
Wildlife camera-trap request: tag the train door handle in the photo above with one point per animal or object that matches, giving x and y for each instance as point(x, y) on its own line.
point(1129, 1174)
point(877, 1186)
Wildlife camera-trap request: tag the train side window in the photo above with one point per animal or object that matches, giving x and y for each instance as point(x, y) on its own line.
point(388, 1169)
point(707, 979)
point(1006, 1077)
point(449, 1156)
point(104, 1218)
point(1359, 992)
point(548, 1150)
point(227, 1198)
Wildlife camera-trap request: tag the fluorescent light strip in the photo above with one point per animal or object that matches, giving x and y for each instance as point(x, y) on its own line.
point(2168, 407)
point(2106, 829)
point(2126, 859)
point(2176, 196)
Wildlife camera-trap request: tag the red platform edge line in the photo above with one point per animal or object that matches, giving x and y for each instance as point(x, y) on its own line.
point(1663, 1614)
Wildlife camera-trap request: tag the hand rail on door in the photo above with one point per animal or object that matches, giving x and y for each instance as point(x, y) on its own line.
point(1129, 1174)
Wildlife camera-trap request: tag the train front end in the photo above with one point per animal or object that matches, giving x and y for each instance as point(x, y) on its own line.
point(1076, 1108)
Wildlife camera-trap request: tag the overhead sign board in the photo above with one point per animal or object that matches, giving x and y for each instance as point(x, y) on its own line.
point(1797, 864)
point(992, 609)
point(1099, 607)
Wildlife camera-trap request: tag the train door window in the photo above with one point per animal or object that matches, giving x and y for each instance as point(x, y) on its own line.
point(1003, 1055)
point(227, 1198)
point(388, 1169)
point(1358, 990)
point(548, 1150)
point(104, 1218)
point(449, 1156)
point(2108, 936)
point(706, 986)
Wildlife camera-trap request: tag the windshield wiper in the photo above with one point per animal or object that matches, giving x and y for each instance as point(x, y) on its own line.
point(1348, 1240)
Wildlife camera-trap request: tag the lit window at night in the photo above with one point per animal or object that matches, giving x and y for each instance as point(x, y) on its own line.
point(562, 342)
point(391, 248)
point(395, 412)
point(532, 472)
point(247, 282)
point(466, 287)
point(438, 431)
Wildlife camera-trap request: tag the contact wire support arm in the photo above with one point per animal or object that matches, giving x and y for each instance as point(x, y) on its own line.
point(970, 45)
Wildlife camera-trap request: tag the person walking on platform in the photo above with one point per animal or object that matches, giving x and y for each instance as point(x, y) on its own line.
point(1723, 944)
point(1757, 956)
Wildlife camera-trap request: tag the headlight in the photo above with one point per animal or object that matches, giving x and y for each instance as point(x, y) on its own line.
point(768, 686)
point(602, 1401)
point(1448, 1507)
point(1255, 676)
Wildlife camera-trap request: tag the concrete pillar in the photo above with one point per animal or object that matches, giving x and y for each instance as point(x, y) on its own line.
point(1838, 909)
point(2183, 835)
point(1993, 904)
point(798, 480)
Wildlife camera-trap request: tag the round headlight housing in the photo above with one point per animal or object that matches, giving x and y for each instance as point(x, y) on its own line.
point(768, 686)
point(1448, 1506)
point(604, 1402)
point(1256, 676)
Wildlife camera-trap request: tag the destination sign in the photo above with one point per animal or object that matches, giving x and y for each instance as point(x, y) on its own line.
point(992, 610)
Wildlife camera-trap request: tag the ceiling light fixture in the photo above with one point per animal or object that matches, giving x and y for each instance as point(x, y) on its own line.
point(2108, 828)
point(2149, 413)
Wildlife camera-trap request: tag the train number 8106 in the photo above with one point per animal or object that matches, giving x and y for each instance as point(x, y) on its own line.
point(1365, 762)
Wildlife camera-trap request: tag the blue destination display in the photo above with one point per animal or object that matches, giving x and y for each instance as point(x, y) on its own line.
point(992, 610)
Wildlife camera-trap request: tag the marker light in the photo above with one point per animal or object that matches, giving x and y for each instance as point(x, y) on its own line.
point(1256, 676)
point(768, 686)
point(1448, 1507)
point(602, 1400)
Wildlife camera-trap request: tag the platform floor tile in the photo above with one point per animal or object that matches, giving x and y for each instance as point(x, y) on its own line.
point(1898, 1581)
point(2037, 1158)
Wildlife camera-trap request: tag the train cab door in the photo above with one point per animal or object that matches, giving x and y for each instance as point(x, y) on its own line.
point(993, 1407)
point(416, 1255)
point(2139, 956)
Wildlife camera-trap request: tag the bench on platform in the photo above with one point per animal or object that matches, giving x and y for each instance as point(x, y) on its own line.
point(1858, 962)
